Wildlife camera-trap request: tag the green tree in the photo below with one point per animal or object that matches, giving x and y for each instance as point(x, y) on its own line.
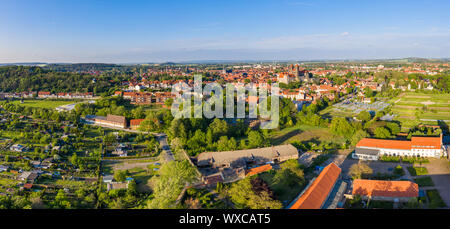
point(243, 196)
point(120, 175)
point(359, 134)
point(173, 176)
point(341, 126)
point(357, 171)
point(255, 139)
point(381, 132)
point(364, 116)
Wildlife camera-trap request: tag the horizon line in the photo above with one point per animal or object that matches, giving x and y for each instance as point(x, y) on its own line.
point(221, 61)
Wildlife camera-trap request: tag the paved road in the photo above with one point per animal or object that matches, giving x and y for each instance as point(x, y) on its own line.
point(162, 138)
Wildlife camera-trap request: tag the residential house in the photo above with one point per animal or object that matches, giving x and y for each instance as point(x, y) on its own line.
point(3, 168)
point(17, 148)
point(28, 176)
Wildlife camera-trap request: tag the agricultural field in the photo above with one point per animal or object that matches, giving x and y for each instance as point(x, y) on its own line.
point(42, 103)
point(412, 108)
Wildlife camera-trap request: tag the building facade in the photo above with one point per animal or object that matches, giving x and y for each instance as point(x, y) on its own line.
point(112, 121)
point(372, 149)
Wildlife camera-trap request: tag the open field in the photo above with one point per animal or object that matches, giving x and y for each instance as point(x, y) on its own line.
point(304, 133)
point(412, 108)
point(43, 103)
point(140, 169)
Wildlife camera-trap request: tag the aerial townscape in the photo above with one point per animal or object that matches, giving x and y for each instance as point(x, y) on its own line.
point(229, 105)
point(361, 134)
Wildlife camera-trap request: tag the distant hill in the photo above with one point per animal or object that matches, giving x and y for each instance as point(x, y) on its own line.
point(81, 67)
point(24, 64)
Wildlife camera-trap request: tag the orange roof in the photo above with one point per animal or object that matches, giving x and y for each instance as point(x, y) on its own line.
point(426, 142)
point(385, 188)
point(385, 144)
point(136, 122)
point(259, 169)
point(318, 191)
point(28, 186)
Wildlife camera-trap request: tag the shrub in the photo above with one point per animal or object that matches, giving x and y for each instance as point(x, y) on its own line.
point(381, 204)
point(435, 199)
point(399, 170)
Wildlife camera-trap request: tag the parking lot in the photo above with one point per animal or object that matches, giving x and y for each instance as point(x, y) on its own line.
point(377, 167)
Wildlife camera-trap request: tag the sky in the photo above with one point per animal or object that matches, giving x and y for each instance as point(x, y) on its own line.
point(138, 31)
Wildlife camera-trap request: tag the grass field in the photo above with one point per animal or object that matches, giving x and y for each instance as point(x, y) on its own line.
point(304, 133)
point(408, 108)
point(435, 200)
point(417, 171)
point(49, 104)
point(424, 181)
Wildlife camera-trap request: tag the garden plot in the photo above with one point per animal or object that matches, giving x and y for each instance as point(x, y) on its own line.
point(348, 108)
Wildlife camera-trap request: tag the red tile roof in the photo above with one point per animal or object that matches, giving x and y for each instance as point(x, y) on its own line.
point(382, 188)
point(416, 142)
point(385, 144)
point(28, 186)
point(317, 193)
point(257, 170)
point(426, 142)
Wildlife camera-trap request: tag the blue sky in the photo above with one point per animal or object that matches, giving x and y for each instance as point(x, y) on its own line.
point(181, 30)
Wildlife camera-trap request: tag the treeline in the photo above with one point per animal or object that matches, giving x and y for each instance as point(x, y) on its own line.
point(83, 67)
point(198, 135)
point(20, 79)
point(111, 105)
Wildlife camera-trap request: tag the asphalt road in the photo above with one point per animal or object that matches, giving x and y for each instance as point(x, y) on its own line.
point(162, 138)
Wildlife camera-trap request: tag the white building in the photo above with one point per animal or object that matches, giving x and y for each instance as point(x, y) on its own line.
point(372, 149)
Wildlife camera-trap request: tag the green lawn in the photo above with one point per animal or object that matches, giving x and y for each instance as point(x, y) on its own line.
point(424, 181)
point(43, 103)
point(304, 133)
point(417, 171)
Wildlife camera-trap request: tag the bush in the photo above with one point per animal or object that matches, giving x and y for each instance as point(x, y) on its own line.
point(381, 204)
point(409, 160)
point(399, 171)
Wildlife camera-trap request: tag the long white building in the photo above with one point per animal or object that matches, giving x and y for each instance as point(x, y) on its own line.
point(372, 149)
